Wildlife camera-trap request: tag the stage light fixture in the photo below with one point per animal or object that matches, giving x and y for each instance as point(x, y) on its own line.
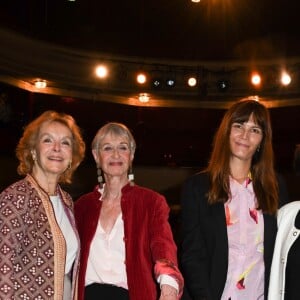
point(144, 97)
point(40, 84)
point(156, 83)
point(170, 82)
point(223, 85)
point(141, 78)
point(192, 81)
point(285, 78)
point(256, 79)
point(101, 71)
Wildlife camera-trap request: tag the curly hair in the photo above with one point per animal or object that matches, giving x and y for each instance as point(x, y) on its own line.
point(29, 140)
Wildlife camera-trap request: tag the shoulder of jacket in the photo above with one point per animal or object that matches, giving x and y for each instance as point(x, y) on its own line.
point(91, 196)
point(290, 207)
point(20, 186)
point(200, 178)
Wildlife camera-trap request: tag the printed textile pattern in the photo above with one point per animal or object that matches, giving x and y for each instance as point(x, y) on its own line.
point(245, 278)
point(26, 245)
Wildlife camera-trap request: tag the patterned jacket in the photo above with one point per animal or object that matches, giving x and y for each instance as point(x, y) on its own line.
point(32, 246)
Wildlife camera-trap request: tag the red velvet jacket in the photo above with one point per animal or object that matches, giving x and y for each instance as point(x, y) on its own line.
point(147, 236)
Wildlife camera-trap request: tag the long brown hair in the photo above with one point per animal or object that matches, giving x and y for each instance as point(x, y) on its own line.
point(262, 166)
point(28, 142)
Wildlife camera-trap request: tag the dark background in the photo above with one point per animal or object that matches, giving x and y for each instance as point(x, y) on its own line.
point(174, 138)
point(178, 29)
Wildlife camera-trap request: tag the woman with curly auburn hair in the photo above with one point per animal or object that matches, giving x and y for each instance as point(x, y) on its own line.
point(38, 238)
point(229, 210)
point(31, 135)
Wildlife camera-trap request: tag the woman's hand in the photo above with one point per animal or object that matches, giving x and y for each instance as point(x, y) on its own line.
point(168, 293)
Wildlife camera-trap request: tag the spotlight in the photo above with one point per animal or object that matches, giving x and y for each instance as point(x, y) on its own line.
point(223, 85)
point(170, 82)
point(285, 78)
point(141, 78)
point(40, 84)
point(256, 79)
point(144, 97)
point(192, 81)
point(101, 71)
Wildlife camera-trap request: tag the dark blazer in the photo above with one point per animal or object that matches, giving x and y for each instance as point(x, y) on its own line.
point(204, 257)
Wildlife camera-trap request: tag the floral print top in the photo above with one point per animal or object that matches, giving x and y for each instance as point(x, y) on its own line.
point(245, 229)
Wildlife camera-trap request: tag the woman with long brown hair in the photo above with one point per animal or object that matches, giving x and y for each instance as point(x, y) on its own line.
point(229, 210)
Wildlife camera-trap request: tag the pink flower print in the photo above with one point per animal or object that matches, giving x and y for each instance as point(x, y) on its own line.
point(253, 215)
point(240, 284)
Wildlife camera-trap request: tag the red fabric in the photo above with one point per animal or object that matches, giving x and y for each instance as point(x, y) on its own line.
point(147, 236)
point(168, 268)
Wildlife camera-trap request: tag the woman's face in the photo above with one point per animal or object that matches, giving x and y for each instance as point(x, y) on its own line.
point(245, 139)
point(54, 149)
point(114, 155)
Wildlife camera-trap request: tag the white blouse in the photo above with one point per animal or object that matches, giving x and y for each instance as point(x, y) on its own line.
point(106, 262)
point(67, 230)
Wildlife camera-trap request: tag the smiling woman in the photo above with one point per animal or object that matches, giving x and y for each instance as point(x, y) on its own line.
point(245, 139)
point(229, 210)
point(49, 151)
point(119, 222)
point(52, 156)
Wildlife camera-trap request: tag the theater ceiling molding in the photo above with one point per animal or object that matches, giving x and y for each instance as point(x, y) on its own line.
point(70, 72)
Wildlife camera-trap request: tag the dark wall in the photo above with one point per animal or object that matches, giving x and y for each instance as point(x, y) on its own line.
point(166, 137)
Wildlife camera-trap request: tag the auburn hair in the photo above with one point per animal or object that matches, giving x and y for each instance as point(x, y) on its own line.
point(29, 140)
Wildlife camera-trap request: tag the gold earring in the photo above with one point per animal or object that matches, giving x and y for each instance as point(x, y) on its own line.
point(33, 154)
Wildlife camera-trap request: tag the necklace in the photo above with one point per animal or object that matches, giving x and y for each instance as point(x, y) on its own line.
point(242, 179)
